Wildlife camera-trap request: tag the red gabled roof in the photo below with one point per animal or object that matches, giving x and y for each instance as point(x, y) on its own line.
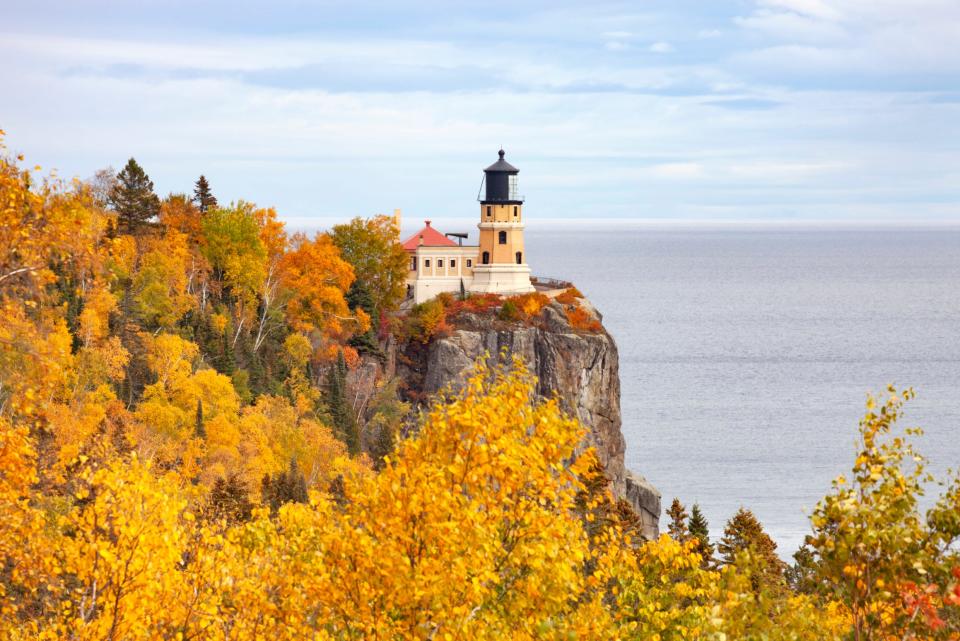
point(431, 238)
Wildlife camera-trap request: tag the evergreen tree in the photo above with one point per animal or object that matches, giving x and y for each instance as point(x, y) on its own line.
point(229, 500)
point(203, 196)
point(199, 430)
point(699, 529)
point(341, 412)
point(358, 296)
point(678, 521)
point(383, 445)
point(133, 199)
point(802, 575)
point(284, 487)
point(744, 531)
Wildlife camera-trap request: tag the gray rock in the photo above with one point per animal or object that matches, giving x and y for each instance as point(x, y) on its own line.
point(581, 368)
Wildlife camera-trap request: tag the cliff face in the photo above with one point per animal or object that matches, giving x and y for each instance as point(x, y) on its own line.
point(582, 367)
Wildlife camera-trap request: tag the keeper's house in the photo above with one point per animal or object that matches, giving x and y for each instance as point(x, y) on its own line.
point(497, 265)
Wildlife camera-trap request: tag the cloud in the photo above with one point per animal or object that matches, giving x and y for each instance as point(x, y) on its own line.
point(743, 104)
point(685, 170)
point(821, 109)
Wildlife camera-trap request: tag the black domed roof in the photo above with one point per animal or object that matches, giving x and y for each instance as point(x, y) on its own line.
point(502, 166)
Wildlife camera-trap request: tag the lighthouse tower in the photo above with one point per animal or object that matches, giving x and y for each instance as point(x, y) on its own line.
point(501, 266)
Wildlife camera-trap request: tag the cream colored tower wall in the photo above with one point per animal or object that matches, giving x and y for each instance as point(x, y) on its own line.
point(503, 274)
point(505, 218)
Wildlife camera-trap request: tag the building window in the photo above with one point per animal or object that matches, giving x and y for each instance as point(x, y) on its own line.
point(503, 238)
point(453, 263)
point(519, 258)
point(486, 258)
point(469, 262)
point(439, 263)
point(514, 211)
point(413, 263)
point(489, 211)
point(426, 262)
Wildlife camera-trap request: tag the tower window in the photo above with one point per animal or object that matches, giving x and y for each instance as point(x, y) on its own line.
point(486, 258)
point(519, 258)
point(413, 263)
point(426, 262)
point(503, 238)
point(489, 211)
point(453, 263)
point(514, 211)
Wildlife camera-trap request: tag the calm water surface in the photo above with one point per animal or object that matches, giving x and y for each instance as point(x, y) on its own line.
point(746, 354)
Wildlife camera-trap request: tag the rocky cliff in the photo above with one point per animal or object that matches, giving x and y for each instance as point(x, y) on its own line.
point(581, 366)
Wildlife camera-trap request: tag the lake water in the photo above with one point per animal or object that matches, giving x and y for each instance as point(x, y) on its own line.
point(746, 352)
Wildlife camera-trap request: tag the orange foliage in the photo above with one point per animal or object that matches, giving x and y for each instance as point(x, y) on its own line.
point(316, 280)
point(582, 320)
point(569, 296)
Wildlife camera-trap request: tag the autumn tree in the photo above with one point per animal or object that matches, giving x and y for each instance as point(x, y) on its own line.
point(894, 568)
point(133, 199)
point(160, 283)
point(202, 195)
point(238, 256)
point(372, 247)
point(317, 280)
point(678, 521)
point(101, 186)
point(273, 235)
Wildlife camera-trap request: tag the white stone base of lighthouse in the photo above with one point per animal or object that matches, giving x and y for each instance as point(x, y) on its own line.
point(501, 279)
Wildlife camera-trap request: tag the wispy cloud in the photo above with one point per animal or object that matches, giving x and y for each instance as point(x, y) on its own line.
point(818, 108)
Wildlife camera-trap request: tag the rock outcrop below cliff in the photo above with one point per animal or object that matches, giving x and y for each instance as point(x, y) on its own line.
point(581, 367)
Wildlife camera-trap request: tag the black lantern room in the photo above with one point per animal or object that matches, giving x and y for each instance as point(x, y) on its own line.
point(501, 183)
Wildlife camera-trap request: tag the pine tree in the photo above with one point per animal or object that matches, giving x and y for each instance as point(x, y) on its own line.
point(229, 500)
point(199, 430)
point(699, 529)
point(358, 296)
point(284, 487)
point(383, 445)
point(678, 521)
point(203, 196)
point(133, 199)
point(744, 531)
point(341, 412)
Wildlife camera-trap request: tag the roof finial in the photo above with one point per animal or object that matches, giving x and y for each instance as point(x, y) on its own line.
point(501, 152)
point(428, 222)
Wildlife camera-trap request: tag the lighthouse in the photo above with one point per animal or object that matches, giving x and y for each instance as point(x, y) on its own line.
point(501, 266)
point(498, 265)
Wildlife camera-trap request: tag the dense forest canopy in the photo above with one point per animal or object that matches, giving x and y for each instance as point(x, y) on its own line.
point(184, 454)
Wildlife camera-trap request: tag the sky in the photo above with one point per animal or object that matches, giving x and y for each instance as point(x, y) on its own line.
point(706, 110)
